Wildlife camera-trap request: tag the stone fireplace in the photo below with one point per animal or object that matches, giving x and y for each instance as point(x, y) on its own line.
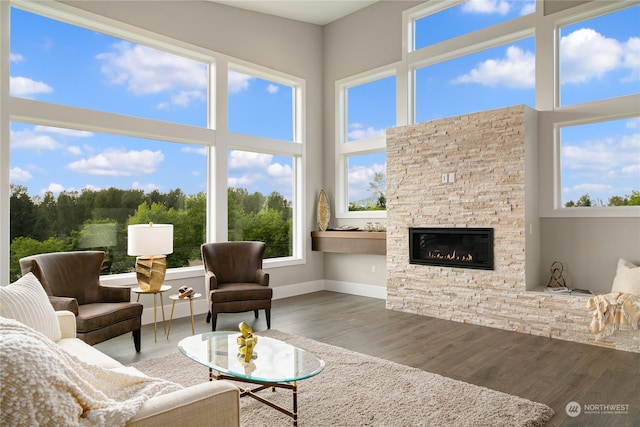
point(492, 156)
point(452, 247)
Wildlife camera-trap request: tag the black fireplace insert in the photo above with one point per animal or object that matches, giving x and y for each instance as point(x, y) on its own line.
point(452, 247)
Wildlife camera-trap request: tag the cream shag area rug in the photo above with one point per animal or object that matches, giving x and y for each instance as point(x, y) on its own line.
point(355, 389)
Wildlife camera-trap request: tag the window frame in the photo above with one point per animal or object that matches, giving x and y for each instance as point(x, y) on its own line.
point(555, 116)
point(215, 136)
point(345, 148)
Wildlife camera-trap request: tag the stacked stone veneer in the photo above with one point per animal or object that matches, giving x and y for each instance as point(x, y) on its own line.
point(486, 151)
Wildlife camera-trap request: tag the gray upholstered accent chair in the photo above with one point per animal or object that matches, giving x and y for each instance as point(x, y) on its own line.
point(234, 280)
point(72, 281)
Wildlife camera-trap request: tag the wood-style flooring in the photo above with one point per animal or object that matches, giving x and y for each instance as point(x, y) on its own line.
point(541, 369)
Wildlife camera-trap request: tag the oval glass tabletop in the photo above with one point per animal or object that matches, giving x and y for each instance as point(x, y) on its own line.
point(273, 360)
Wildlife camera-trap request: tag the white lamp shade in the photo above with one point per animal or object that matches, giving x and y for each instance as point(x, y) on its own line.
point(150, 239)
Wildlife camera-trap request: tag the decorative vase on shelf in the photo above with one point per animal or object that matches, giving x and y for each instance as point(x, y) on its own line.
point(323, 211)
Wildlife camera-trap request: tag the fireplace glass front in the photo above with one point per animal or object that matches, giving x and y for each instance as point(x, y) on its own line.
point(452, 247)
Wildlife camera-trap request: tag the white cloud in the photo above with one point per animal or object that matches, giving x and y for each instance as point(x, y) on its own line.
point(633, 123)
point(16, 58)
point(272, 89)
point(144, 70)
point(278, 170)
point(29, 140)
point(146, 187)
point(249, 160)
point(55, 188)
point(239, 181)
point(605, 55)
point(611, 157)
point(18, 174)
point(200, 150)
point(238, 81)
point(360, 177)
point(516, 71)
point(359, 131)
point(119, 163)
point(24, 87)
point(528, 8)
point(74, 150)
point(487, 7)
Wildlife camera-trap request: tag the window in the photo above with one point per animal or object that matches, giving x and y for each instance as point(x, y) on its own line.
point(262, 171)
point(75, 190)
point(103, 73)
point(611, 68)
point(466, 17)
point(260, 107)
point(369, 105)
point(118, 133)
point(600, 163)
point(494, 78)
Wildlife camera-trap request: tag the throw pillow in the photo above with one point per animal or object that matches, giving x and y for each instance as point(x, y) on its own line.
point(627, 278)
point(26, 301)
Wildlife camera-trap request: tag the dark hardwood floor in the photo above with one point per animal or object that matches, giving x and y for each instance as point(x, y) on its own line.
point(541, 369)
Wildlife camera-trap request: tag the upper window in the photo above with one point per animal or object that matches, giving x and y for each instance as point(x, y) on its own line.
point(494, 78)
point(466, 17)
point(260, 107)
point(65, 64)
point(369, 108)
point(600, 57)
point(600, 163)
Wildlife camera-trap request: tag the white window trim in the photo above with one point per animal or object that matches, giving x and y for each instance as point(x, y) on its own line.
point(345, 148)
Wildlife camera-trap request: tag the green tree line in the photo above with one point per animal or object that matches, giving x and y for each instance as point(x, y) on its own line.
point(98, 219)
point(632, 199)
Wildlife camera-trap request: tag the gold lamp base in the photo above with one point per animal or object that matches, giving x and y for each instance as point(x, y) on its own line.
point(150, 272)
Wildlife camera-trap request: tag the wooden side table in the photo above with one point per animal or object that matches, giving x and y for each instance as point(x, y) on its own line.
point(163, 288)
point(175, 298)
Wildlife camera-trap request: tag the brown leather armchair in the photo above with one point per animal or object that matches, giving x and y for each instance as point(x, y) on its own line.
point(234, 280)
point(72, 281)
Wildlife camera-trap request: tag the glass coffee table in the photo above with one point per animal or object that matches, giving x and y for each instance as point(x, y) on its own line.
point(275, 364)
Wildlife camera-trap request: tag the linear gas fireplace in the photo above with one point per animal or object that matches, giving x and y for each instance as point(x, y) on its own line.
point(452, 247)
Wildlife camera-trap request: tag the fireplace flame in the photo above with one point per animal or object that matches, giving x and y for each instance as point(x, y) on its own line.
point(451, 257)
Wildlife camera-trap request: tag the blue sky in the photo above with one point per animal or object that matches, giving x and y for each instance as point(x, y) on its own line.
point(105, 73)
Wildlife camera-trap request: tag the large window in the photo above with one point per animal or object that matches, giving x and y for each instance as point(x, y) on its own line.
point(109, 131)
point(600, 164)
point(494, 78)
point(369, 108)
point(262, 170)
point(57, 62)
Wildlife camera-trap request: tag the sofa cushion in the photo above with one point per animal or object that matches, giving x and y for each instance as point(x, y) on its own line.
point(87, 353)
point(627, 278)
point(26, 301)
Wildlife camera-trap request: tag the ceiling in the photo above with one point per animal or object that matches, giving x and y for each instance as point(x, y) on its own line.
point(318, 12)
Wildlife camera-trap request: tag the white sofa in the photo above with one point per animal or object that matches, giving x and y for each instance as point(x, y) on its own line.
point(34, 337)
point(211, 404)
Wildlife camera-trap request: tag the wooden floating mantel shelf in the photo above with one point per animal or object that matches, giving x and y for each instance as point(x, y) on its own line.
point(352, 242)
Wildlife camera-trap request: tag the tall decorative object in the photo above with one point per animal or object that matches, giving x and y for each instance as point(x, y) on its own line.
point(150, 243)
point(324, 213)
point(246, 342)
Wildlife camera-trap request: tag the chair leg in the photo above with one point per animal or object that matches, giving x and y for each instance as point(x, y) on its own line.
point(214, 320)
point(255, 312)
point(267, 312)
point(136, 339)
point(208, 317)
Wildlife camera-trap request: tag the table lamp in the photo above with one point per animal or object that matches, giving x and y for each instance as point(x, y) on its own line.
point(150, 243)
